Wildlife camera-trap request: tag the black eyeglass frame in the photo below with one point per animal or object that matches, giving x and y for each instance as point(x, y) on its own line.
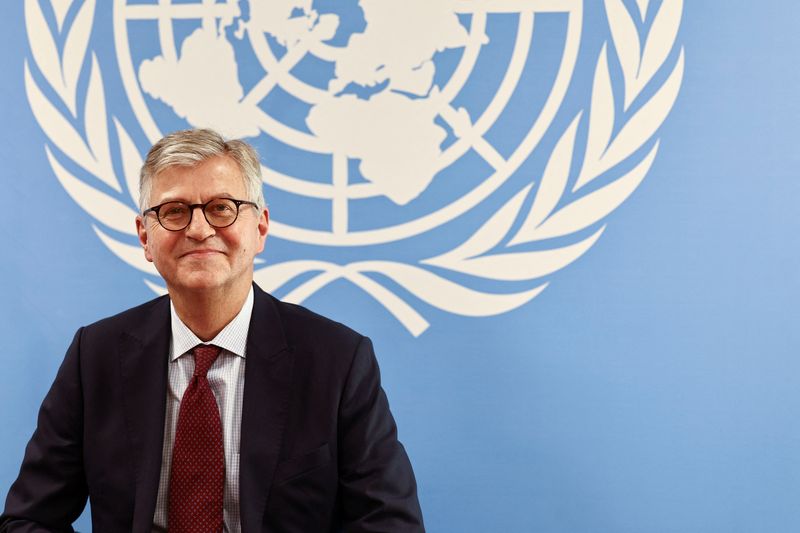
point(155, 209)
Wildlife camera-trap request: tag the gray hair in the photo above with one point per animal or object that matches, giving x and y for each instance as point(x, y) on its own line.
point(192, 147)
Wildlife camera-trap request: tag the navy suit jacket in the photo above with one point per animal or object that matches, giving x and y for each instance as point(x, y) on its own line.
point(319, 449)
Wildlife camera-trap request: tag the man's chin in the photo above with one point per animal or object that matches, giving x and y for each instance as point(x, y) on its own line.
point(199, 282)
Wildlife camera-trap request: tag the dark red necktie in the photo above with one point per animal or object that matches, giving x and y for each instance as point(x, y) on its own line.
point(197, 478)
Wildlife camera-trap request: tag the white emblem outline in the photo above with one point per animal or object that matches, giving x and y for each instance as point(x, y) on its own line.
point(608, 145)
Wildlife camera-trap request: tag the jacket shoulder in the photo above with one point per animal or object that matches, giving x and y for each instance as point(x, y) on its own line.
point(125, 319)
point(301, 323)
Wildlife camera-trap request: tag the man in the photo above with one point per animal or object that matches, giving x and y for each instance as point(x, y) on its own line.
point(217, 408)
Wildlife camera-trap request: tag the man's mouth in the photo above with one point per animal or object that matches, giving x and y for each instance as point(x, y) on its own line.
point(202, 252)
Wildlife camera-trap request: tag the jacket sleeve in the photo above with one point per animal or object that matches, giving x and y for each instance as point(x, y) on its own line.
point(378, 491)
point(50, 491)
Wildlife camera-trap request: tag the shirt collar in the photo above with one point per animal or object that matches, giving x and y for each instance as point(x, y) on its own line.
point(232, 338)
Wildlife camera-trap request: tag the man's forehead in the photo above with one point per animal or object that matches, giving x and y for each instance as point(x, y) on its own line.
point(214, 170)
point(221, 161)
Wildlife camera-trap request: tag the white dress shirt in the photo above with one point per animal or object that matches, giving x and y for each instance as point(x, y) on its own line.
point(226, 378)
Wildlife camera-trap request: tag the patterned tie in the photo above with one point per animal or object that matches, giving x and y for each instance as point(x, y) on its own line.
point(197, 478)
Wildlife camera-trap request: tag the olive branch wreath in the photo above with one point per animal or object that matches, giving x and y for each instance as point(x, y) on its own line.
point(82, 136)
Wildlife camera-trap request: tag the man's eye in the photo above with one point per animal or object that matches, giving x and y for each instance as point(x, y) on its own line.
point(174, 211)
point(221, 207)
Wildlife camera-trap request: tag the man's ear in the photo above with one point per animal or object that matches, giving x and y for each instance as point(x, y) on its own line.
point(143, 237)
point(263, 229)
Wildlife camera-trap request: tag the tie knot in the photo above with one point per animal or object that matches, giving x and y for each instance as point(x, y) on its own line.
point(204, 357)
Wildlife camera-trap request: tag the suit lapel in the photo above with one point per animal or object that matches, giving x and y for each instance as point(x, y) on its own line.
point(267, 383)
point(144, 353)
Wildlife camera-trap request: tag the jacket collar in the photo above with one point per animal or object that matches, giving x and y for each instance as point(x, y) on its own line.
point(267, 384)
point(143, 367)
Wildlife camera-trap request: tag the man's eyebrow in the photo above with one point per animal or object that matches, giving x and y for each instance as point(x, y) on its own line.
point(169, 199)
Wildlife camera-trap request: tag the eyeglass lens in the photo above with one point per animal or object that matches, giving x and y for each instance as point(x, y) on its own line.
point(219, 213)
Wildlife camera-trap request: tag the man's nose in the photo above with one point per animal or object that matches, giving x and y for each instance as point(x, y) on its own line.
point(199, 228)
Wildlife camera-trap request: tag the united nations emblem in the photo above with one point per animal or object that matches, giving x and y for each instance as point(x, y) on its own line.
point(450, 153)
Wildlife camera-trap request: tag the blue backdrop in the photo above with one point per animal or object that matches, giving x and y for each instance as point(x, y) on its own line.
point(652, 386)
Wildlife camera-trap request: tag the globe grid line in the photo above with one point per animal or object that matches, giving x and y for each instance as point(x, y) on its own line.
point(125, 62)
point(340, 211)
point(454, 85)
point(90, 150)
point(178, 11)
point(297, 88)
point(511, 77)
point(512, 6)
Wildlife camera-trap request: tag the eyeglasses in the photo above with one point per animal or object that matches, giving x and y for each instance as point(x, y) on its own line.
point(219, 213)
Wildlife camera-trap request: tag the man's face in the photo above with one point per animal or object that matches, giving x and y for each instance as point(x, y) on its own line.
point(201, 257)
